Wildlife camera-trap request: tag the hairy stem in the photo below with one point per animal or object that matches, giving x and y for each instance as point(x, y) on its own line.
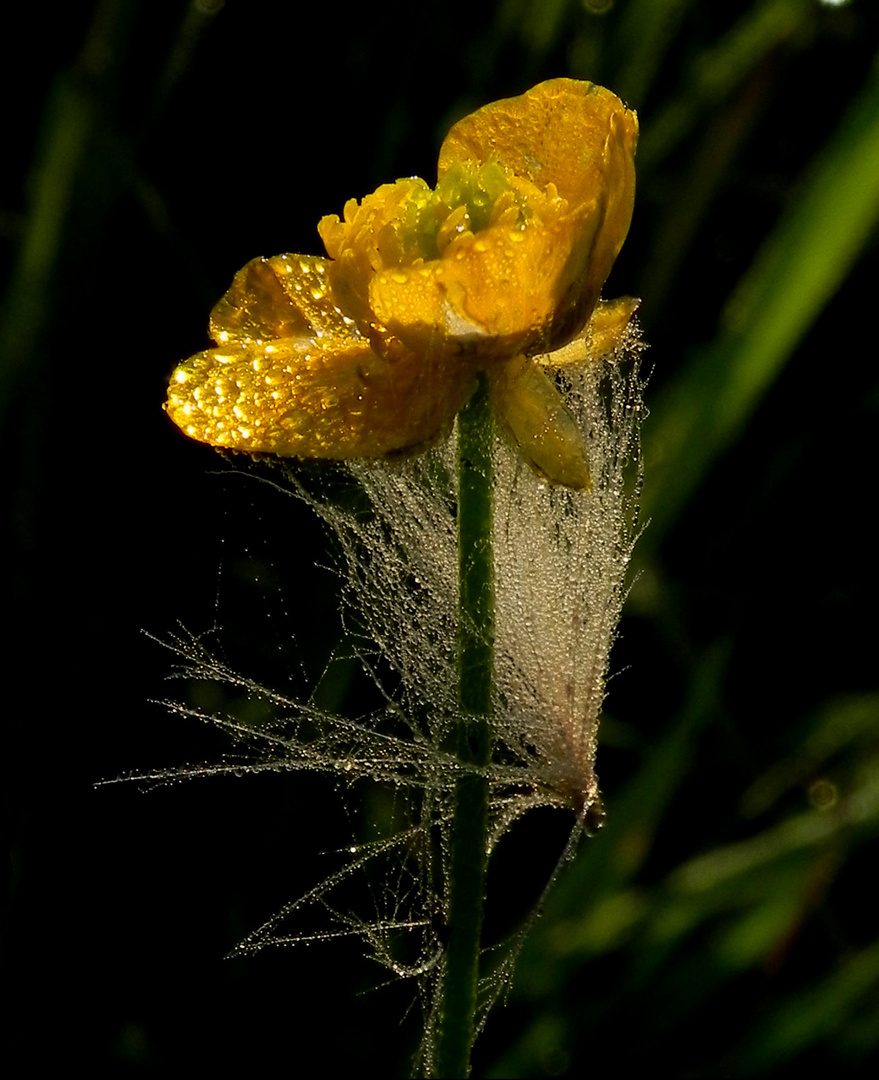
point(458, 994)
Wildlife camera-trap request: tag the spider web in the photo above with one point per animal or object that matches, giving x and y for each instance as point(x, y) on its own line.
point(561, 559)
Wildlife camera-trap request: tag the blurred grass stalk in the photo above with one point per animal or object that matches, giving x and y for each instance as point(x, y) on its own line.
point(83, 164)
point(796, 272)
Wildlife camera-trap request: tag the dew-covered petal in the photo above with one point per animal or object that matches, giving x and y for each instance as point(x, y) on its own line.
point(555, 133)
point(618, 200)
point(378, 231)
point(472, 298)
point(575, 138)
point(282, 297)
point(313, 398)
point(609, 328)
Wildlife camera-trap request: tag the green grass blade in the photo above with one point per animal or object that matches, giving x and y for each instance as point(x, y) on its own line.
point(798, 270)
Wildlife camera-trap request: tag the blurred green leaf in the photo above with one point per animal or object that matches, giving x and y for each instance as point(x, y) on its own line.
point(797, 271)
point(646, 29)
point(714, 73)
point(827, 1008)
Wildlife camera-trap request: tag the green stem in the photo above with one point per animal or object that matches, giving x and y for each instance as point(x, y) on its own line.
point(458, 1000)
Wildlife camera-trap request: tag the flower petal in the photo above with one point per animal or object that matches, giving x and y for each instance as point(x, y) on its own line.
point(304, 397)
point(473, 298)
point(555, 133)
point(609, 328)
point(281, 297)
point(580, 139)
point(372, 235)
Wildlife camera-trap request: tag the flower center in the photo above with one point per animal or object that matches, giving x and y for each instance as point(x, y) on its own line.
point(464, 202)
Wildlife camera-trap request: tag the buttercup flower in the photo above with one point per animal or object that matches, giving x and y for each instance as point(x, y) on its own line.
point(374, 350)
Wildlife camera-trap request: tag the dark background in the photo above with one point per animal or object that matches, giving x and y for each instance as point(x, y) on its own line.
point(149, 152)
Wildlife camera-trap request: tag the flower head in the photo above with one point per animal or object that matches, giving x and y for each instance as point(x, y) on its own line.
point(374, 350)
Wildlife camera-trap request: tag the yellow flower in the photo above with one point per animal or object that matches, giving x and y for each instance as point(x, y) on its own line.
point(374, 350)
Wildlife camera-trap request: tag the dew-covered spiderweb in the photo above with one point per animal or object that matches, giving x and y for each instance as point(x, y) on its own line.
point(561, 560)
